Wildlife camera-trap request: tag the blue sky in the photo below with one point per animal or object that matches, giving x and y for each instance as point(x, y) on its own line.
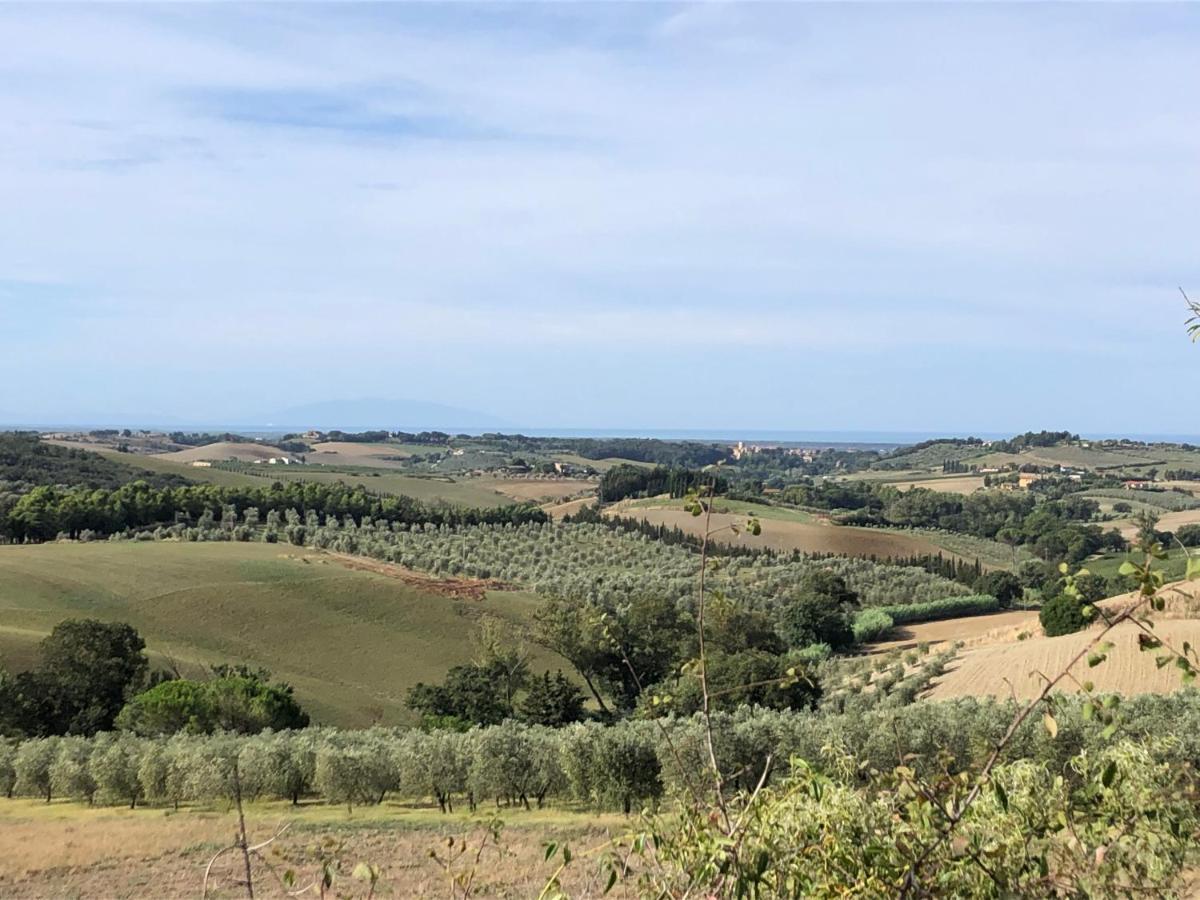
point(799, 217)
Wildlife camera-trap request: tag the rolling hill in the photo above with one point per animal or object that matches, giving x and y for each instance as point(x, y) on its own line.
point(352, 638)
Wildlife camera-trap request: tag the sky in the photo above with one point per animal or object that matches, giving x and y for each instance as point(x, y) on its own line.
point(788, 217)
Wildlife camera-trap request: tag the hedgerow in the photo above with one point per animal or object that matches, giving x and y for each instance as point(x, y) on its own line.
point(946, 608)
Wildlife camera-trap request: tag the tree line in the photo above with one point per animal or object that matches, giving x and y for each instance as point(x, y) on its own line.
point(624, 481)
point(621, 766)
point(46, 512)
point(1052, 529)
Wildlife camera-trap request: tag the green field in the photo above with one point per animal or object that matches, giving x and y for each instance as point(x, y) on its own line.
point(162, 466)
point(351, 642)
point(991, 553)
point(1174, 566)
point(460, 491)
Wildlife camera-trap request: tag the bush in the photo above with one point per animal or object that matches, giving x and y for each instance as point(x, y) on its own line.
point(1004, 586)
point(1062, 615)
point(872, 624)
point(948, 608)
point(1188, 535)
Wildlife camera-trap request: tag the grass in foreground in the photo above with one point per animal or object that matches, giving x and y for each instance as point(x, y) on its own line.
point(66, 849)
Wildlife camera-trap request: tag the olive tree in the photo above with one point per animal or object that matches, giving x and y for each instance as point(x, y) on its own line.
point(356, 769)
point(70, 772)
point(114, 766)
point(436, 764)
point(8, 775)
point(514, 761)
point(31, 764)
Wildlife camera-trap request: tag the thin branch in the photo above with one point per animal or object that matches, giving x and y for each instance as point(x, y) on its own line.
point(910, 878)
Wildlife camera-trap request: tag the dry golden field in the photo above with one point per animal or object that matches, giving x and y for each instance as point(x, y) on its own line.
point(1011, 668)
point(1002, 658)
point(953, 484)
point(540, 490)
point(808, 537)
point(64, 849)
point(968, 628)
point(1168, 521)
point(223, 450)
point(350, 453)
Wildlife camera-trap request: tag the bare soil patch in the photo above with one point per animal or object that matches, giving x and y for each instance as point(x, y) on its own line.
point(975, 629)
point(460, 588)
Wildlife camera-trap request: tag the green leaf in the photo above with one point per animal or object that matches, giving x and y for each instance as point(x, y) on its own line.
point(1127, 568)
point(1193, 568)
point(1088, 711)
point(1109, 773)
point(566, 855)
point(612, 880)
point(1051, 725)
point(1001, 796)
point(551, 848)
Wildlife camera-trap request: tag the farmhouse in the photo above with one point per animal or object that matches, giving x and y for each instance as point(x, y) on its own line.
point(1026, 479)
point(201, 464)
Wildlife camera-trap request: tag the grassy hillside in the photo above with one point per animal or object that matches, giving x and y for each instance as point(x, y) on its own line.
point(351, 641)
point(160, 464)
point(462, 491)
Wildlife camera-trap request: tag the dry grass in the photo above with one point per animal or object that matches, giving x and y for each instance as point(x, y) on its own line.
point(953, 484)
point(539, 490)
point(807, 537)
point(350, 453)
point(223, 450)
point(1167, 521)
point(569, 508)
point(63, 849)
point(1011, 669)
point(1001, 663)
point(973, 629)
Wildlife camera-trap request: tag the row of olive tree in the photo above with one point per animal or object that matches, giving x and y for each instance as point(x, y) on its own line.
point(622, 766)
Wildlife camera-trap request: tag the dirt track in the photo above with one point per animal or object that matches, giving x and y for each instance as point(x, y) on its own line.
point(468, 588)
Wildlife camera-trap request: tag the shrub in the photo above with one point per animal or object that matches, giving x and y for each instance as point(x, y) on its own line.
point(1004, 586)
point(1062, 614)
point(1188, 535)
point(948, 608)
point(8, 775)
point(871, 624)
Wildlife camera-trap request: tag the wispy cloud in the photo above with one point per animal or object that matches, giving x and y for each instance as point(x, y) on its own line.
point(820, 195)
